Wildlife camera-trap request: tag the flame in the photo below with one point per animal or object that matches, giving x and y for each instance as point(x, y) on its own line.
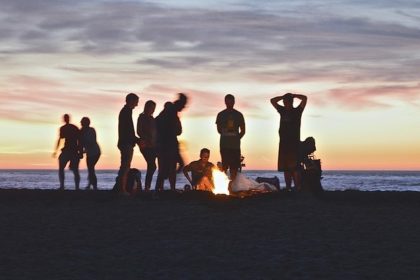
point(220, 181)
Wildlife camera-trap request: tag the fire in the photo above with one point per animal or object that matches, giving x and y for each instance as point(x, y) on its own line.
point(220, 181)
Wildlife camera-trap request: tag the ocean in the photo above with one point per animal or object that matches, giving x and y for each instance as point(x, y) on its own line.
point(332, 180)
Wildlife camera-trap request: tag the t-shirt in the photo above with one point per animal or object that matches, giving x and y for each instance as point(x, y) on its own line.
point(146, 130)
point(126, 134)
point(230, 121)
point(71, 135)
point(198, 171)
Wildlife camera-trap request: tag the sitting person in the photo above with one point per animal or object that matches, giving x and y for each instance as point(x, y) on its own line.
point(201, 172)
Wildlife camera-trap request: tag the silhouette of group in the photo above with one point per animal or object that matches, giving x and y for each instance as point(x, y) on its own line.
point(157, 139)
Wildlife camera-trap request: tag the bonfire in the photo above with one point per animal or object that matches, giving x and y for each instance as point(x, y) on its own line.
point(220, 182)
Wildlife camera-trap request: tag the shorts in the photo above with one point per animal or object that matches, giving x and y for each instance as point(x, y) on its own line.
point(67, 156)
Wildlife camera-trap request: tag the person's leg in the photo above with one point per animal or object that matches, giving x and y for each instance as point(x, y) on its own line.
point(62, 162)
point(74, 166)
point(297, 179)
point(173, 159)
point(91, 162)
point(225, 158)
point(235, 162)
point(288, 179)
point(161, 176)
point(150, 157)
point(180, 160)
point(126, 157)
point(89, 168)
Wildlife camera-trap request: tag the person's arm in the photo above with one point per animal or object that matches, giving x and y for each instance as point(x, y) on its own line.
point(139, 126)
point(275, 100)
point(242, 128)
point(186, 169)
point(219, 125)
point(56, 147)
point(79, 143)
point(303, 99)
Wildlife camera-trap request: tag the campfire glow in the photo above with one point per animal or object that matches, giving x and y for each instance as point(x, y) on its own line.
point(221, 182)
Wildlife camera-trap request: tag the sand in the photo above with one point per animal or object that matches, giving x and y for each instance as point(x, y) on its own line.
point(195, 235)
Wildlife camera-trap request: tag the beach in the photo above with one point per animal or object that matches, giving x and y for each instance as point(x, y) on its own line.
point(48, 234)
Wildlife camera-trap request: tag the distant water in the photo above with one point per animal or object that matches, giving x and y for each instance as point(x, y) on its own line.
point(332, 180)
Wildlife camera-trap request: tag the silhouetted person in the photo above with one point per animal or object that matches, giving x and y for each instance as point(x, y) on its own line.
point(180, 161)
point(71, 152)
point(146, 130)
point(231, 127)
point(290, 119)
point(127, 139)
point(168, 127)
point(92, 150)
point(201, 172)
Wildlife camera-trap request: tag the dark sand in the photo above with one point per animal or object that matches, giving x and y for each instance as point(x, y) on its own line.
point(98, 235)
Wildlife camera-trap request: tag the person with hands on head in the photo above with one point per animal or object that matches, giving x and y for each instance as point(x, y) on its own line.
point(289, 132)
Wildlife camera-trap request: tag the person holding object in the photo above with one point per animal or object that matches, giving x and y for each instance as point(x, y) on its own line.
point(201, 172)
point(289, 132)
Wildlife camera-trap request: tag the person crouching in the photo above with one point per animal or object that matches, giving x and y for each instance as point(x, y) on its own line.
point(201, 172)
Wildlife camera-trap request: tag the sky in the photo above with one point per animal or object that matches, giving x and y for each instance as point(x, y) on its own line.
point(357, 61)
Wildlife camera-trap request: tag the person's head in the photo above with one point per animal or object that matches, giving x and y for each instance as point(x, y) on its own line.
point(149, 107)
point(288, 100)
point(229, 101)
point(66, 118)
point(132, 100)
point(181, 102)
point(85, 122)
point(205, 155)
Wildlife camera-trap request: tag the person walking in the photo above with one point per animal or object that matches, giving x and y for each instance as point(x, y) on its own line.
point(92, 150)
point(71, 152)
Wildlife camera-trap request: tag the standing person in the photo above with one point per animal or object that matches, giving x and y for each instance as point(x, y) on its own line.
point(290, 119)
point(92, 150)
point(71, 152)
point(146, 130)
point(201, 172)
point(231, 127)
point(127, 139)
point(168, 127)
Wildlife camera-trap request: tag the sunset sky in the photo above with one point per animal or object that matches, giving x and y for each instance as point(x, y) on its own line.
point(357, 61)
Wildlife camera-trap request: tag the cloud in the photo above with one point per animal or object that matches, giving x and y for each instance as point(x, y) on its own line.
point(266, 43)
point(368, 98)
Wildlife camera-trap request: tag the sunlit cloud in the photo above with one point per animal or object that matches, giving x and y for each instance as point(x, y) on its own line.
point(374, 97)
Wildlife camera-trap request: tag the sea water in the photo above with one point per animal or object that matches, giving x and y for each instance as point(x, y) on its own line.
point(332, 180)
